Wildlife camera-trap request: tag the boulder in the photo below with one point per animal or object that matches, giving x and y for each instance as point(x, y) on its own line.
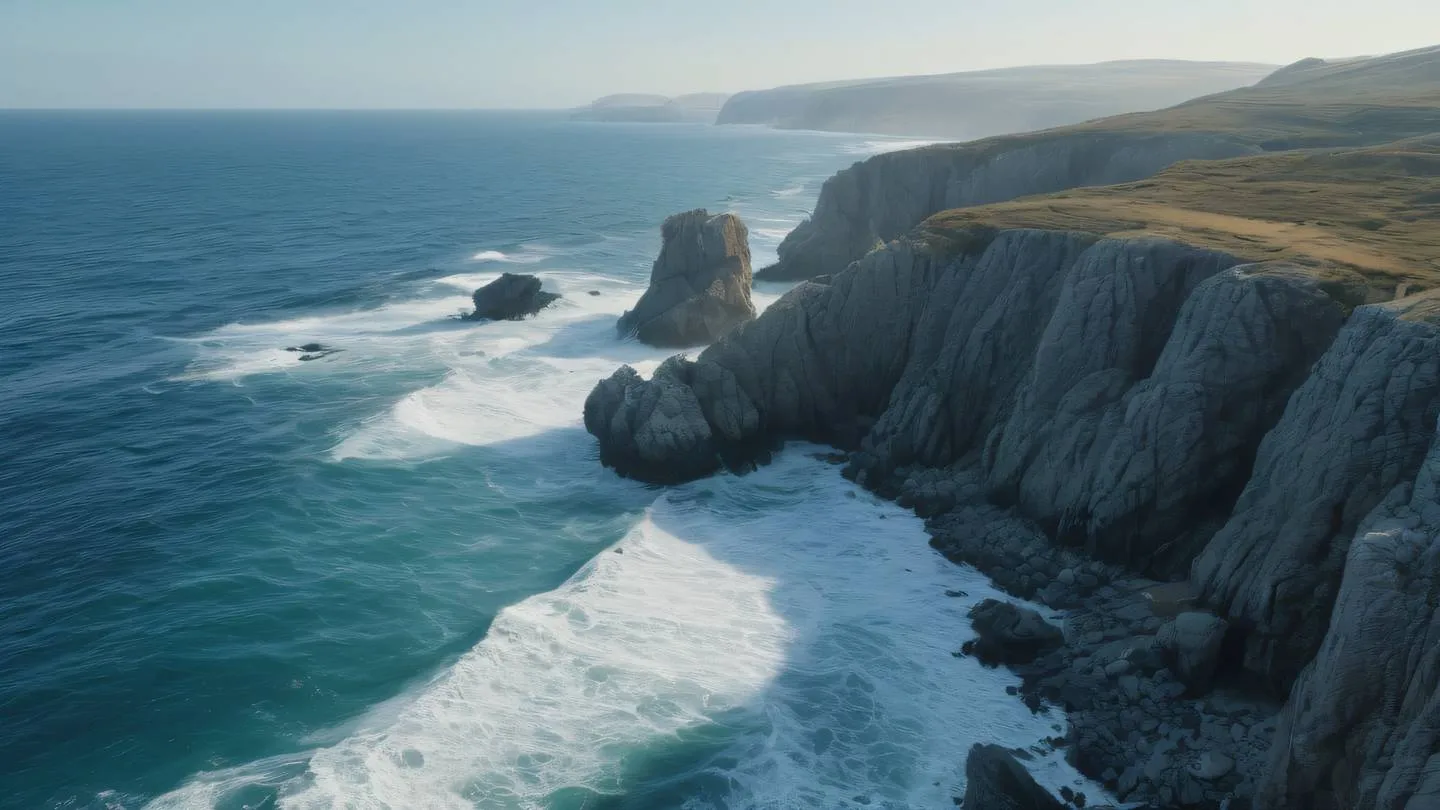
point(509, 298)
point(699, 285)
point(1190, 644)
point(1009, 634)
point(994, 780)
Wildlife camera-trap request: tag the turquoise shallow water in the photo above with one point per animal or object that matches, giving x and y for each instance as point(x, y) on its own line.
point(389, 577)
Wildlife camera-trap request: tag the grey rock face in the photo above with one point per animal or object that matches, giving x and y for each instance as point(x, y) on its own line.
point(510, 298)
point(1116, 389)
point(1191, 645)
point(995, 781)
point(882, 198)
point(1133, 437)
point(1364, 719)
point(652, 430)
point(1357, 427)
point(699, 285)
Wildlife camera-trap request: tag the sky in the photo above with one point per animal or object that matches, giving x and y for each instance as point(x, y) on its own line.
point(562, 53)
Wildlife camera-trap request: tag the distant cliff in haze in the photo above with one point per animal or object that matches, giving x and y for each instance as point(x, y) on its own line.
point(694, 108)
point(979, 104)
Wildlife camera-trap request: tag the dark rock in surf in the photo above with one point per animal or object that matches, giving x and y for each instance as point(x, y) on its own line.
point(510, 298)
point(1009, 634)
point(699, 285)
point(312, 351)
point(994, 780)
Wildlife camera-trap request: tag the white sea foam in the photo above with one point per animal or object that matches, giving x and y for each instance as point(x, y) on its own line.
point(776, 234)
point(792, 191)
point(807, 617)
point(528, 254)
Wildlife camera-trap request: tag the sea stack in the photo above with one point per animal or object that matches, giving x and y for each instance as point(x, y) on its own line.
point(510, 298)
point(699, 285)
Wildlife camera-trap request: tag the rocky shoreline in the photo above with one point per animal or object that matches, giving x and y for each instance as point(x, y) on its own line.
point(1156, 715)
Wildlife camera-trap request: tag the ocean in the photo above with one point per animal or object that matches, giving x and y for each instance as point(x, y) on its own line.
point(397, 576)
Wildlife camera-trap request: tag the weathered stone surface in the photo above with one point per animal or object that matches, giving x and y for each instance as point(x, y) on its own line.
point(510, 297)
point(882, 198)
point(651, 429)
point(1357, 428)
point(699, 285)
point(1133, 437)
point(1364, 718)
point(995, 781)
point(1191, 647)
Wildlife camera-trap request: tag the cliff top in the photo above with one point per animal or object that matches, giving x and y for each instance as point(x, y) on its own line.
point(1373, 211)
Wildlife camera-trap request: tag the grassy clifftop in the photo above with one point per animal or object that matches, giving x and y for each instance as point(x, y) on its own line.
point(1371, 213)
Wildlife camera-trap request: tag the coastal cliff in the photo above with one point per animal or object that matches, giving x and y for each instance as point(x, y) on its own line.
point(1198, 413)
point(1312, 104)
point(1150, 404)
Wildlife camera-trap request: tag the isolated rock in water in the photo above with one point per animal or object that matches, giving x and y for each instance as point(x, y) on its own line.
point(1009, 634)
point(699, 286)
point(1191, 645)
point(510, 298)
point(994, 780)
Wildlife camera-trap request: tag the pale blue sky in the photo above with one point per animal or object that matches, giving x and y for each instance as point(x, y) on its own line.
point(551, 53)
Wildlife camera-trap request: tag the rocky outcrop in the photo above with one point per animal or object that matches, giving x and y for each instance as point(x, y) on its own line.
point(1114, 390)
point(699, 285)
point(882, 198)
point(510, 298)
point(1009, 634)
point(994, 780)
point(1362, 727)
point(1357, 428)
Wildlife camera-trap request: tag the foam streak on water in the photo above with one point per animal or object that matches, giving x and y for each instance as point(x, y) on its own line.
point(808, 618)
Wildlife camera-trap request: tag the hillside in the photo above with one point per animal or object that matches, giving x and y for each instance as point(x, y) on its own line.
point(1371, 214)
point(697, 108)
point(1313, 104)
point(979, 104)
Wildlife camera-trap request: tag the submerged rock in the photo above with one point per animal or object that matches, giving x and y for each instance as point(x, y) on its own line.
point(699, 285)
point(995, 780)
point(511, 297)
point(312, 351)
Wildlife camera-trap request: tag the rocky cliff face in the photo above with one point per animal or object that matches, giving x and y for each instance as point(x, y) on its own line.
point(1157, 405)
point(1363, 722)
point(700, 284)
point(882, 198)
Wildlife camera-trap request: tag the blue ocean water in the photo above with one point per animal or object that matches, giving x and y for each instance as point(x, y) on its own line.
point(396, 576)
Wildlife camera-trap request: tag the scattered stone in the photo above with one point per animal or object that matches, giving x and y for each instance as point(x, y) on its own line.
point(1212, 766)
point(1191, 645)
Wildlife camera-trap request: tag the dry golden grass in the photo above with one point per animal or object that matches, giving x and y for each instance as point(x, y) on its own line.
point(1374, 212)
